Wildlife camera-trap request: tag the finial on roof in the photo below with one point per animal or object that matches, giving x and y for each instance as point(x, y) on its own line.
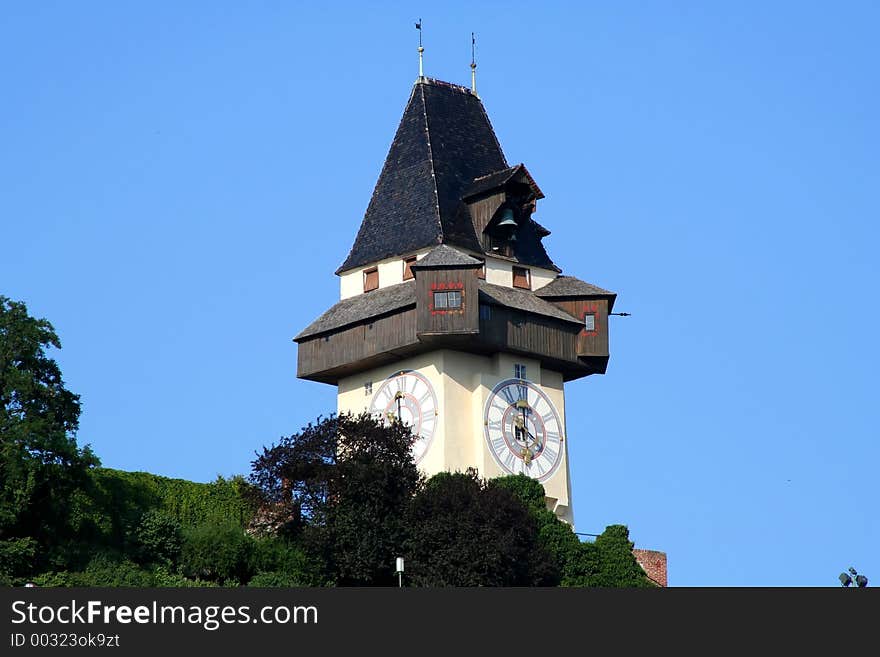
point(473, 64)
point(421, 50)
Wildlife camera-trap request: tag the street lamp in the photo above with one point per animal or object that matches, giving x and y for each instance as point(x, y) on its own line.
point(846, 579)
point(399, 572)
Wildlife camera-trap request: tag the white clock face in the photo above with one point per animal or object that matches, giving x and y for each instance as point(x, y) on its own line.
point(523, 430)
point(409, 396)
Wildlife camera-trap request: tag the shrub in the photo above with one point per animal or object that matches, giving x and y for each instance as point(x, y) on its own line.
point(217, 553)
point(158, 538)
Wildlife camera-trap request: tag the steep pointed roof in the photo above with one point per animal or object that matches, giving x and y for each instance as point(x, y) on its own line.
point(444, 141)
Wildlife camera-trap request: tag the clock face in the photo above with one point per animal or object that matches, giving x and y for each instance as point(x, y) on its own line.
point(409, 396)
point(523, 430)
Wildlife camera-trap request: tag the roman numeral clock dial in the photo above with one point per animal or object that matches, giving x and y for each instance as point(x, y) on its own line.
point(409, 396)
point(523, 430)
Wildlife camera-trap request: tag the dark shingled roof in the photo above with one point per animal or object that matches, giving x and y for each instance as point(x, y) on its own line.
point(444, 141)
point(445, 256)
point(499, 178)
point(362, 307)
point(522, 300)
point(393, 298)
point(569, 286)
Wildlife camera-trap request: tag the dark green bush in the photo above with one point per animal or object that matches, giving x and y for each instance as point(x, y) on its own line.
point(159, 538)
point(219, 553)
point(16, 557)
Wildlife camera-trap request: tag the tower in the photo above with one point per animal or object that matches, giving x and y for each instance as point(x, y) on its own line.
point(452, 316)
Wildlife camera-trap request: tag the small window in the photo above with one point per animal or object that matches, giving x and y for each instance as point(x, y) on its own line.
point(485, 311)
point(481, 272)
point(447, 300)
point(371, 279)
point(368, 388)
point(521, 278)
point(519, 371)
point(407, 268)
point(590, 321)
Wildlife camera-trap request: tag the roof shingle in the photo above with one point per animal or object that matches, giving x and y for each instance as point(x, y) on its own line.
point(362, 307)
point(569, 286)
point(522, 300)
point(443, 142)
point(446, 256)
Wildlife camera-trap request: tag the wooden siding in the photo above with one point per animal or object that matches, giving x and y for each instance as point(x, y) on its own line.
point(356, 343)
point(482, 210)
point(433, 321)
point(593, 343)
point(512, 330)
point(557, 345)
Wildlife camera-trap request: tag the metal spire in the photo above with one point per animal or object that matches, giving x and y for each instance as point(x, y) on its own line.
point(421, 50)
point(473, 64)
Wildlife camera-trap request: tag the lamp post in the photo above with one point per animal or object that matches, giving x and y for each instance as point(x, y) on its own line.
point(399, 571)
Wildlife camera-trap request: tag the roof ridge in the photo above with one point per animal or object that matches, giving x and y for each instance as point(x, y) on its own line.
point(385, 165)
point(492, 131)
point(492, 173)
point(443, 83)
point(431, 161)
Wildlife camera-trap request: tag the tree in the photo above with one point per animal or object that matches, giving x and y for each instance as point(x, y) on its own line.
point(40, 463)
point(341, 487)
point(465, 532)
point(608, 562)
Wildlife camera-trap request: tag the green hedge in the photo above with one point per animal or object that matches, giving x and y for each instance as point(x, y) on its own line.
point(188, 502)
point(107, 513)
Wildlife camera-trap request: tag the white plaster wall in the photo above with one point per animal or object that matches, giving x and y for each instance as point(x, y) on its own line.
point(500, 272)
point(351, 283)
point(463, 383)
point(557, 487)
point(351, 398)
point(541, 277)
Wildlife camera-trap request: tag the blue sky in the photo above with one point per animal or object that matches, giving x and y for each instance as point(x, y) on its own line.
point(181, 180)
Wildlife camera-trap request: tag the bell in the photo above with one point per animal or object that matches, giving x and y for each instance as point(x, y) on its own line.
point(507, 218)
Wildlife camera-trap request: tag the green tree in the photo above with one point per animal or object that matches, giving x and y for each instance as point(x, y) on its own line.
point(465, 532)
point(341, 488)
point(607, 562)
point(41, 465)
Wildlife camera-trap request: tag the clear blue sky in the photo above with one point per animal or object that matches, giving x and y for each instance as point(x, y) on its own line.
point(181, 180)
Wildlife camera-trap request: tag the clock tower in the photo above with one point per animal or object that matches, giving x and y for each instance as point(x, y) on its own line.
point(452, 316)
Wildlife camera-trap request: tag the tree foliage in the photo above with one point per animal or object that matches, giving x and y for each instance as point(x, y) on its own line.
point(607, 562)
point(41, 465)
point(341, 486)
point(465, 532)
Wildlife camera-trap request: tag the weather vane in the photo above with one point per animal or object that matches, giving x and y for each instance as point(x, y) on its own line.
point(473, 63)
point(421, 50)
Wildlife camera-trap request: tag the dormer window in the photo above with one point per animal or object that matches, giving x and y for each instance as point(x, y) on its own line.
point(371, 279)
point(407, 268)
point(522, 278)
point(481, 272)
